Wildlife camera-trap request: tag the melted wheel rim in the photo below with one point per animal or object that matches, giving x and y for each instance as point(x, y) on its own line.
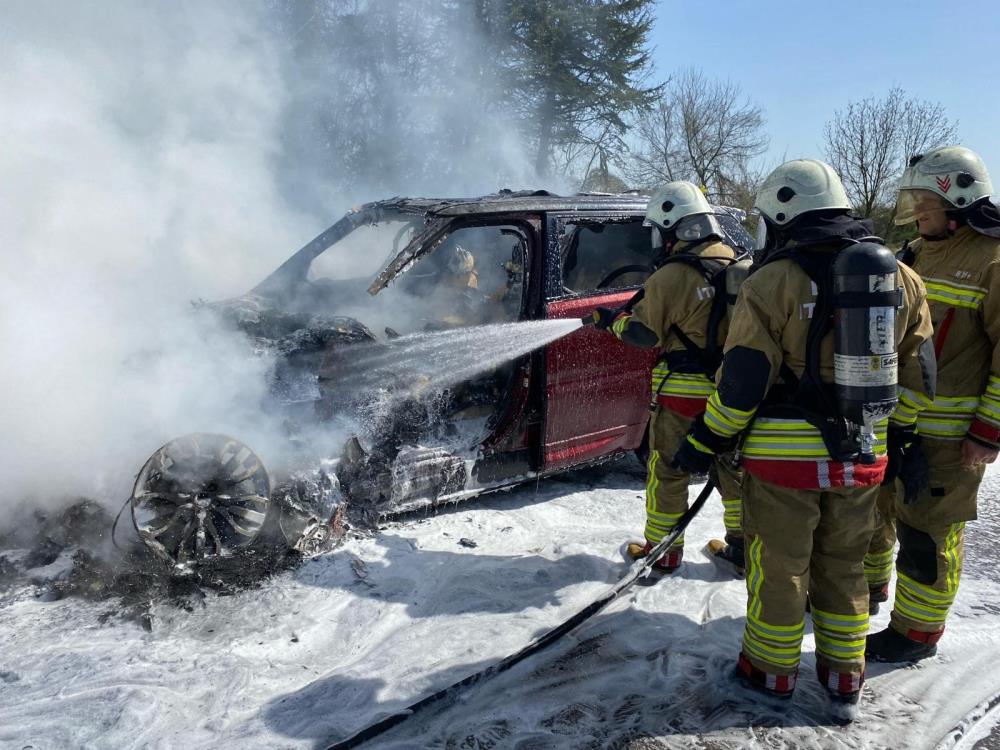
point(199, 496)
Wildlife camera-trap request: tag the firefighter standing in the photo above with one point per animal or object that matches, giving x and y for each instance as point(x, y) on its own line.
point(946, 192)
point(808, 501)
point(679, 312)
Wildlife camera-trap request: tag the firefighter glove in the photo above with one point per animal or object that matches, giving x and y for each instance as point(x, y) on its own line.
point(907, 461)
point(701, 445)
point(604, 317)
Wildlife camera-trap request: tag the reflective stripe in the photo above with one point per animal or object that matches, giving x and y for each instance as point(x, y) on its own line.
point(910, 404)
point(878, 567)
point(927, 605)
point(841, 623)
point(732, 514)
point(680, 384)
point(619, 325)
point(989, 404)
point(840, 636)
point(725, 420)
point(795, 439)
point(658, 525)
point(783, 633)
point(948, 417)
point(956, 295)
point(755, 575)
point(775, 645)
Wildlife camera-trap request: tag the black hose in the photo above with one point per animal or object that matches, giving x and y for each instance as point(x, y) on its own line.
point(637, 571)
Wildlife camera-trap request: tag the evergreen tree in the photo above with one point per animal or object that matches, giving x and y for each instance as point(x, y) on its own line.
point(577, 66)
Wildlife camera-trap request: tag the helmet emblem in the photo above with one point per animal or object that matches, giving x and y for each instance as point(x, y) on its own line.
point(944, 183)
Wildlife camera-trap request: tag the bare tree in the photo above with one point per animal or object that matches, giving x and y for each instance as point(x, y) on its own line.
point(870, 142)
point(701, 130)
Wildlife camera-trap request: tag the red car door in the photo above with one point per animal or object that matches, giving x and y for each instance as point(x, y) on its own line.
point(597, 388)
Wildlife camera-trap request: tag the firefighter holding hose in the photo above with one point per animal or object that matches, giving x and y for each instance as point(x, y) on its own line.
point(682, 308)
point(947, 193)
point(829, 341)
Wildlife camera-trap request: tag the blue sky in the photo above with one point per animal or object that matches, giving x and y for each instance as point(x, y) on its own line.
point(802, 60)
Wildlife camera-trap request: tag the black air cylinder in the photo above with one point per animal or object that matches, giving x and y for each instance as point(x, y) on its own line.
point(866, 296)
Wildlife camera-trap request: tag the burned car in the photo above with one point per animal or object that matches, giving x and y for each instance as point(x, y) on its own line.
point(386, 272)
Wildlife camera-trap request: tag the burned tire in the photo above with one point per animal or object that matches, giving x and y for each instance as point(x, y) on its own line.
point(199, 496)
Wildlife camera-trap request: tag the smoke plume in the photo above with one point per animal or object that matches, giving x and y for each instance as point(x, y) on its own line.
point(147, 161)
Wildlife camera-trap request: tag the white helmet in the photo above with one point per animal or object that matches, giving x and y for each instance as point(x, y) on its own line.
point(954, 173)
point(800, 186)
point(682, 209)
point(673, 202)
point(461, 260)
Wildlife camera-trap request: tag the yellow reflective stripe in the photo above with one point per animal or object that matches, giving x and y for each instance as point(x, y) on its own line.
point(914, 610)
point(952, 546)
point(769, 655)
point(930, 595)
point(755, 576)
point(781, 633)
point(618, 327)
point(799, 627)
point(950, 293)
point(725, 420)
point(700, 446)
point(993, 387)
point(840, 650)
point(665, 517)
point(839, 623)
point(878, 567)
point(652, 482)
point(914, 398)
point(732, 514)
point(943, 428)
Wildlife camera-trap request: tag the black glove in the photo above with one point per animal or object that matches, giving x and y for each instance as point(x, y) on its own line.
point(604, 317)
point(898, 438)
point(907, 462)
point(693, 459)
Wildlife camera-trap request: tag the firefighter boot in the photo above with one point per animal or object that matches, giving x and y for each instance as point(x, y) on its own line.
point(843, 692)
point(843, 706)
point(877, 595)
point(729, 553)
point(668, 563)
point(772, 690)
point(892, 646)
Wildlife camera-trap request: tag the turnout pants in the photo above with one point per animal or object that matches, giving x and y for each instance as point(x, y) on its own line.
point(878, 561)
point(931, 535)
point(799, 542)
point(667, 488)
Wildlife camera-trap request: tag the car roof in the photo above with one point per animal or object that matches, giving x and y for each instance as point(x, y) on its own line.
point(522, 200)
point(506, 201)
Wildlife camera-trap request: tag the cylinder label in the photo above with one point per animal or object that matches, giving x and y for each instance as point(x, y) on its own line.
point(865, 372)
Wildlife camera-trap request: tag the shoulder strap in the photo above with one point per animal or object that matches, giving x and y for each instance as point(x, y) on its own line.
point(906, 254)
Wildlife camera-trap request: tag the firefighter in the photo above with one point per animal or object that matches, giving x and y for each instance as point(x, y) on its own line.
point(810, 475)
point(680, 310)
point(457, 290)
point(947, 193)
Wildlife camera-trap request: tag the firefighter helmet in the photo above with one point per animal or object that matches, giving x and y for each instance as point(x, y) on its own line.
point(673, 202)
point(680, 211)
point(800, 186)
point(954, 173)
point(461, 261)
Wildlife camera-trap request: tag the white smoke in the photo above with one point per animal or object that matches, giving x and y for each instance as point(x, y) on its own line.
point(140, 153)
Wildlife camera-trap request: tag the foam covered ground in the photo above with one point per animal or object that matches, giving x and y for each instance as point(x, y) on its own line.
point(319, 652)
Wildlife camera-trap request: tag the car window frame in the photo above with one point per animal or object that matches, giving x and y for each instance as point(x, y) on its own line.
point(556, 224)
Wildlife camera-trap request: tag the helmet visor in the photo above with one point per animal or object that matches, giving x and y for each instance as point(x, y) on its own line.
point(761, 232)
point(923, 205)
point(656, 238)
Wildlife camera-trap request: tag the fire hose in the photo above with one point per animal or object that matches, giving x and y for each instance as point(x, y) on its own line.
point(638, 569)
